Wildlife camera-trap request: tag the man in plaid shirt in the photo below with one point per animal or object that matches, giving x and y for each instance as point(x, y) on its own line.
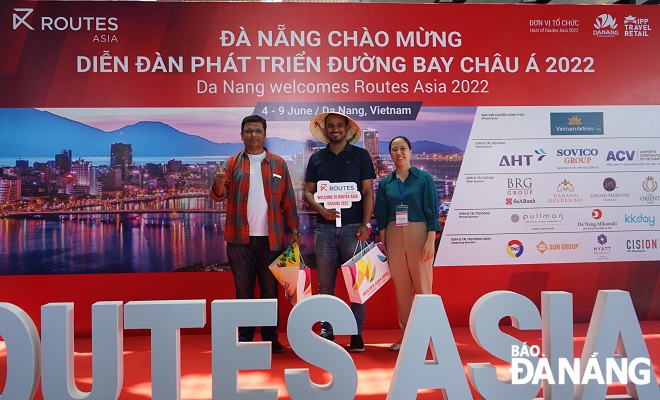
point(261, 207)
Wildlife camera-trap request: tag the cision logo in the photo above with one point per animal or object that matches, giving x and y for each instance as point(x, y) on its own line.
point(650, 185)
point(606, 26)
point(514, 248)
point(641, 245)
point(23, 19)
point(579, 123)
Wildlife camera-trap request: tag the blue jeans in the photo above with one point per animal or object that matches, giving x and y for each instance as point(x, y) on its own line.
point(250, 262)
point(333, 247)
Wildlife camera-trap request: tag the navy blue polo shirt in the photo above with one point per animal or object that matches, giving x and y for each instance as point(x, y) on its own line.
point(353, 164)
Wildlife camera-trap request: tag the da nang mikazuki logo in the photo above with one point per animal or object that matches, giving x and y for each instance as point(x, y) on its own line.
point(514, 248)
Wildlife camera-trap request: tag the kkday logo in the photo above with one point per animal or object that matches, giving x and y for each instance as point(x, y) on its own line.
point(522, 160)
point(650, 185)
point(60, 23)
point(639, 219)
point(565, 194)
point(605, 26)
point(514, 248)
point(542, 247)
point(641, 245)
point(601, 251)
point(636, 26)
point(523, 371)
point(584, 123)
point(598, 223)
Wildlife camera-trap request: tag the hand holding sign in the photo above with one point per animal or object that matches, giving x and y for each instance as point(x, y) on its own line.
point(335, 196)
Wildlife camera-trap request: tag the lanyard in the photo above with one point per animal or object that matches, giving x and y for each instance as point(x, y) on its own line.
point(401, 189)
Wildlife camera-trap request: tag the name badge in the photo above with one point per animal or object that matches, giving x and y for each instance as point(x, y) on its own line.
point(401, 215)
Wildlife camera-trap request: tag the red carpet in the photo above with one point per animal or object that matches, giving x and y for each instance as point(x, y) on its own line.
point(375, 365)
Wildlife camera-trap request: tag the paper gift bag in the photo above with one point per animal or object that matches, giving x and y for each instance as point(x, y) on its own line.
point(290, 271)
point(366, 272)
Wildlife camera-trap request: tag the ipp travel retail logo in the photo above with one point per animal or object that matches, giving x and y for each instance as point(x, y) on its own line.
point(23, 19)
point(522, 160)
point(514, 248)
point(636, 27)
point(597, 222)
point(650, 185)
point(577, 123)
point(605, 26)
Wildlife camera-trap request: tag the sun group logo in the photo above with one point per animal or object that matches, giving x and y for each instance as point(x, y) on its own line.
point(522, 160)
point(636, 26)
point(605, 26)
point(639, 219)
point(514, 248)
point(650, 185)
point(641, 245)
point(565, 194)
point(573, 157)
point(598, 224)
point(524, 372)
point(21, 15)
point(580, 123)
point(542, 247)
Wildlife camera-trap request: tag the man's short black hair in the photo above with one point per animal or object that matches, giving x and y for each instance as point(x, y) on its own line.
point(253, 118)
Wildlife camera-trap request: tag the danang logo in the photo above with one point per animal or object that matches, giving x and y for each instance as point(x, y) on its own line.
point(584, 123)
point(21, 19)
point(606, 26)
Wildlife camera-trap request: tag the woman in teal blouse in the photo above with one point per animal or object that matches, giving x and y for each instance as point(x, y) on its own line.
point(407, 213)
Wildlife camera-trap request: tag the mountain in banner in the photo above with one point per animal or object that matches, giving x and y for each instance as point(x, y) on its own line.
point(422, 146)
point(26, 132)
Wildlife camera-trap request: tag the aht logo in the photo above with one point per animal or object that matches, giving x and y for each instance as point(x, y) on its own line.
point(521, 160)
point(21, 19)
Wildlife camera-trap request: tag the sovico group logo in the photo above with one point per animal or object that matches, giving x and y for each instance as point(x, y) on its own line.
point(605, 26)
point(650, 186)
point(523, 371)
point(23, 19)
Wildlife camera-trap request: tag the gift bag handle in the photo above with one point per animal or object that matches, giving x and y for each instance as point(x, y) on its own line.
point(361, 245)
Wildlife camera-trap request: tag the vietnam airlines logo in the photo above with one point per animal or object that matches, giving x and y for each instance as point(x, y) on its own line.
point(575, 120)
point(20, 19)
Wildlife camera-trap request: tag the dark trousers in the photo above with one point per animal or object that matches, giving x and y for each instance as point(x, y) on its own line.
point(250, 262)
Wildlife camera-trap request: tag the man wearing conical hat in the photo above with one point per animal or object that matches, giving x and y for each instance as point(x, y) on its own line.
point(339, 161)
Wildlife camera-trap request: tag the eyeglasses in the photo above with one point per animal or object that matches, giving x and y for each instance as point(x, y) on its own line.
point(255, 131)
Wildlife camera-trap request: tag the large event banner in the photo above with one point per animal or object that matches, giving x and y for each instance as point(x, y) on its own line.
point(539, 124)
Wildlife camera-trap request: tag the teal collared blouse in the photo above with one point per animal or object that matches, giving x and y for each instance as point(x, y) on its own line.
point(419, 194)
